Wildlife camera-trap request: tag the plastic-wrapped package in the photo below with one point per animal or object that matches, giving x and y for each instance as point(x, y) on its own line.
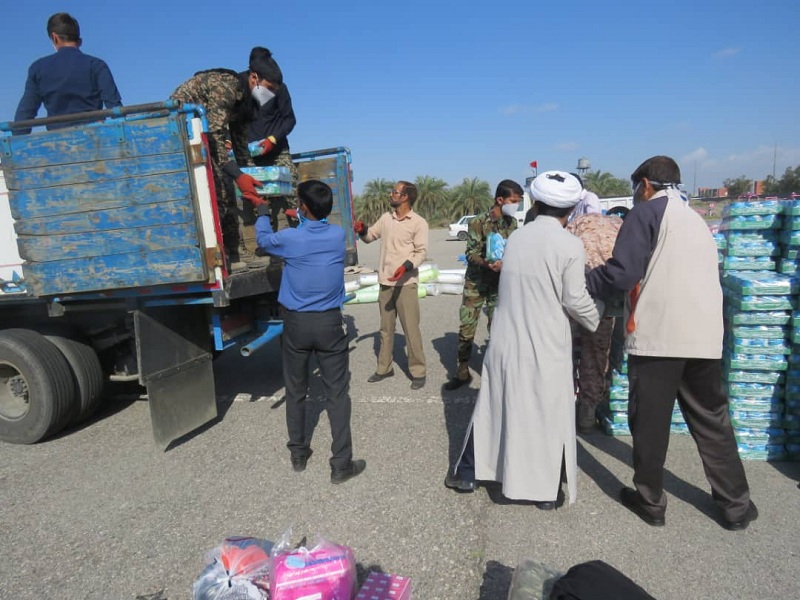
point(753, 419)
point(757, 346)
point(618, 392)
point(618, 378)
point(451, 288)
point(787, 266)
point(759, 303)
point(756, 404)
point(755, 362)
point(755, 436)
point(615, 429)
point(749, 263)
point(760, 284)
point(790, 237)
point(755, 377)
point(327, 571)
point(618, 416)
point(495, 247)
point(753, 249)
point(751, 222)
point(736, 317)
point(532, 581)
point(771, 332)
point(237, 569)
point(618, 405)
point(791, 207)
point(721, 240)
point(762, 207)
point(455, 278)
point(385, 586)
point(265, 174)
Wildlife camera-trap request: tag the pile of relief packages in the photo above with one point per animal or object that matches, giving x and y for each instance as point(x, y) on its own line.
point(246, 568)
point(432, 280)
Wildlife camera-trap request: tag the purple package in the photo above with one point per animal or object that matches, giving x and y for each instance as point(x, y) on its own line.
point(385, 586)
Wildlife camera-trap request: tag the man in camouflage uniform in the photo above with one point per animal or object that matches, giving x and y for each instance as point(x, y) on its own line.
point(598, 234)
point(482, 278)
point(231, 101)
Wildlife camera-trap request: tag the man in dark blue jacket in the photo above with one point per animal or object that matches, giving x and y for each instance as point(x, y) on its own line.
point(311, 294)
point(68, 81)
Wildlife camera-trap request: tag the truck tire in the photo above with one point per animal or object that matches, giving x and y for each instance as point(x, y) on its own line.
point(87, 375)
point(36, 388)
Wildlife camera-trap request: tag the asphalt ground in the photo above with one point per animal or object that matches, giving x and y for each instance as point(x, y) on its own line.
point(101, 512)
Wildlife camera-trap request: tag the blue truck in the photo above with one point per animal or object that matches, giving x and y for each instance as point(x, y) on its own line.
point(120, 273)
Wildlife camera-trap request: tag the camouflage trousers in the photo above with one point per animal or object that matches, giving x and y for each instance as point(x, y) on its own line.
point(474, 298)
point(227, 210)
point(593, 365)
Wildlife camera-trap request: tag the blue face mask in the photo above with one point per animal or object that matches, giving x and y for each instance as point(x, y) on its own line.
point(304, 219)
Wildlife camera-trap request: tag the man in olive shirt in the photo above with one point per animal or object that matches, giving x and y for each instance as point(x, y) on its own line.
point(482, 278)
point(405, 242)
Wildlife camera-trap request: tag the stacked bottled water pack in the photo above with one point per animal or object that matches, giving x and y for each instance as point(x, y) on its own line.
point(758, 305)
point(787, 264)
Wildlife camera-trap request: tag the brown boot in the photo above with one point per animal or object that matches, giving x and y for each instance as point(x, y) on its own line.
point(586, 418)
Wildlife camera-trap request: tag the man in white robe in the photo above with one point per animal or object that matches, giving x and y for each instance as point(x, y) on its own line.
point(523, 424)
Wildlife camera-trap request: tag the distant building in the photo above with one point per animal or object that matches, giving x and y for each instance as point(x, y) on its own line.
point(707, 192)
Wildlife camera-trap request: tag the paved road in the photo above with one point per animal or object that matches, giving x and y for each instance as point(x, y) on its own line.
point(100, 512)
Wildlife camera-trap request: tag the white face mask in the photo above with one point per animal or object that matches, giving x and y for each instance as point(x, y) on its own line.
point(262, 95)
point(509, 210)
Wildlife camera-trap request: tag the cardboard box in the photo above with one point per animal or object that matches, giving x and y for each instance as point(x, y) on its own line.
point(385, 586)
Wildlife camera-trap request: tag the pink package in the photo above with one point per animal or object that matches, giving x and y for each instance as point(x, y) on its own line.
point(326, 572)
point(384, 586)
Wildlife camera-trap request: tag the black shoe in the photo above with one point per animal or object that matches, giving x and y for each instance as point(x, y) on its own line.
point(376, 377)
point(550, 505)
point(299, 462)
point(630, 499)
point(460, 485)
point(354, 469)
point(751, 515)
point(417, 383)
point(456, 383)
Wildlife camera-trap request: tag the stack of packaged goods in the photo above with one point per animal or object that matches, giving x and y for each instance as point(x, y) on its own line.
point(787, 264)
point(757, 319)
point(615, 421)
point(752, 236)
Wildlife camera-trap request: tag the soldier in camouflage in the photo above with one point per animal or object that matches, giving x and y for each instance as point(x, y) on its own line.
point(482, 278)
point(231, 101)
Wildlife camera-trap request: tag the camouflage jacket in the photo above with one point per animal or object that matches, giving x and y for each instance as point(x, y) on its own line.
point(477, 231)
point(221, 93)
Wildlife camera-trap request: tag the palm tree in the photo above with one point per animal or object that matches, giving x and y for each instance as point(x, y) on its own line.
point(470, 197)
point(605, 184)
point(432, 197)
point(374, 201)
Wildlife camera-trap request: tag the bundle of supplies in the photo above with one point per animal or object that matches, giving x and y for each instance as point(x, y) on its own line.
point(275, 181)
point(237, 569)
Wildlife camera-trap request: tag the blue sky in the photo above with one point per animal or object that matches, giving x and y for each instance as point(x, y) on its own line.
point(456, 89)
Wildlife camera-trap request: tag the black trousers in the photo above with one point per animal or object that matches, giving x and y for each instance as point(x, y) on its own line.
point(323, 334)
point(655, 382)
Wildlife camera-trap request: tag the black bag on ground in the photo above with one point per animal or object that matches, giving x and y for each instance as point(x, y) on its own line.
point(596, 580)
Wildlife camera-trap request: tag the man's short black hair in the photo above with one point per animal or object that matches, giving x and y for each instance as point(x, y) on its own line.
point(545, 210)
point(317, 197)
point(64, 26)
point(507, 188)
point(659, 169)
point(410, 190)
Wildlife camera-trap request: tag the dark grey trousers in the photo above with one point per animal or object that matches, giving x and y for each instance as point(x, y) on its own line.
point(655, 382)
point(323, 334)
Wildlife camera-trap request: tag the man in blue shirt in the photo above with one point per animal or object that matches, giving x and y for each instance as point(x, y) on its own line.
point(311, 294)
point(68, 81)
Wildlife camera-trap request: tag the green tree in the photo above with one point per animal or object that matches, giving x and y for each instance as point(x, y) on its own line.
point(470, 197)
point(373, 201)
point(433, 198)
point(790, 182)
point(737, 187)
point(606, 185)
point(771, 186)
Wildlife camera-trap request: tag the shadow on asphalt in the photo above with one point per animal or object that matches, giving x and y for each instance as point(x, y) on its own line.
point(611, 485)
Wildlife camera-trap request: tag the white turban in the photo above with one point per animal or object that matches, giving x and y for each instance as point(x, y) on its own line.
point(558, 189)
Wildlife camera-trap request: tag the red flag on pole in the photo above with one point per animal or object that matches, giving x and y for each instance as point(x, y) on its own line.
point(535, 164)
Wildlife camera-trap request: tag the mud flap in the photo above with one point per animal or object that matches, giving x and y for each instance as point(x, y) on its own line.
point(173, 351)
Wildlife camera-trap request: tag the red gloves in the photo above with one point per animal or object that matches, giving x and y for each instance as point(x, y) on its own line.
point(291, 212)
point(266, 146)
point(359, 227)
point(401, 270)
point(247, 184)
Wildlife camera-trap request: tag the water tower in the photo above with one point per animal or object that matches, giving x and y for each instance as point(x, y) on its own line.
point(583, 165)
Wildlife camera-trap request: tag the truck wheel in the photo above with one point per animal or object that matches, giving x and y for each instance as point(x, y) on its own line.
point(87, 375)
point(462, 235)
point(36, 389)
